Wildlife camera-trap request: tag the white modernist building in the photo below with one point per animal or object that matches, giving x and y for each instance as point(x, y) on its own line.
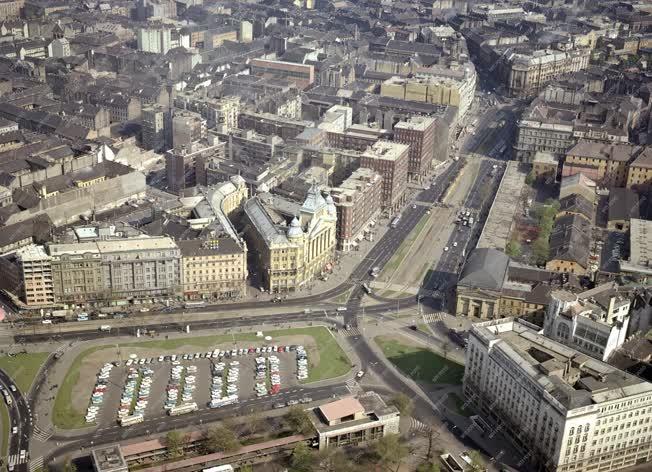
point(565, 410)
point(594, 322)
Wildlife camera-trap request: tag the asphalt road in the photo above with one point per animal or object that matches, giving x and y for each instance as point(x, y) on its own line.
point(20, 416)
point(117, 433)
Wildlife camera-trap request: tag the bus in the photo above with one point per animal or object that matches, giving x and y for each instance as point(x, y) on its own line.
point(196, 304)
point(182, 409)
point(228, 400)
point(366, 288)
point(395, 221)
point(220, 468)
point(133, 419)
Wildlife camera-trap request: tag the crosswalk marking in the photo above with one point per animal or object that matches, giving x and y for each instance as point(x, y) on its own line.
point(353, 331)
point(432, 317)
point(41, 435)
point(14, 459)
point(418, 427)
point(35, 464)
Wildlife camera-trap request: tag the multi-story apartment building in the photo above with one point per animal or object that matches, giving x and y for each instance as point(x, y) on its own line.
point(115, 269)
point(594, 322)
point(291, 255)
point(639, 174)
point(36, 272)
point(528, 72)
point(606, 164)
point(565, 410)
point(156, 125)
point(390, 160)
point(221, 113)
point(213, 268)
point(156, 40)
point(10, 9)
point(419, 133)
point(187, 128)
point(356, 200)
point(302, 75)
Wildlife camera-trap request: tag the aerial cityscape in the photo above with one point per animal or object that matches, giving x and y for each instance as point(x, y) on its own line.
point(325, 235)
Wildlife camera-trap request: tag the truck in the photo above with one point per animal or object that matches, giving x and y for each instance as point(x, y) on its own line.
point(105, 328)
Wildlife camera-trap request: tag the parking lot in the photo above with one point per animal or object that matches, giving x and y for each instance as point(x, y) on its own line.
point(133, 390)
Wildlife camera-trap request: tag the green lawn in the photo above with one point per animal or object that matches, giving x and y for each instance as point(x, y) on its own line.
point(23, 368)
point(421, 364)
point(403, 250)
point(343, 297)
point(424, 328)
point(6, 429)
point(333, 362)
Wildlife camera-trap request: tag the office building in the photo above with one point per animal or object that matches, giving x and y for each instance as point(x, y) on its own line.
point(356, 200)
point(115, 269)
point(563, 409)
point(294, 243)
point(187, 166)
point(302, 75)
point(419, 133)
point(390, 160)
point(444, 87)
point(36, 271)
point(593, 322)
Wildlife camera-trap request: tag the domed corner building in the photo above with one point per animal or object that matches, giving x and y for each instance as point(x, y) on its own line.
point(294, 243)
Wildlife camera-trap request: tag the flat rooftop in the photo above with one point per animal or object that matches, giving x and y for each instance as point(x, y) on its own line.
point(386, 150)
point(497, 229)
point(416, 123)
point(573, 379)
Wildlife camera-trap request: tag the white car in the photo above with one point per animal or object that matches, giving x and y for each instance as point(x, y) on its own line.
point(455, 244)
point(360, 374)
point(446, 249)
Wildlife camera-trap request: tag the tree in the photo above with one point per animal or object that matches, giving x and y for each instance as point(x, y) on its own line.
point(403, 403)
point(529, 180)
point(541, 249)
point(221, 439)
point(513, 248)
point(302, 459)
point(298, 420)
point(477, 462)
point(69, 465)
point(333, 460)
point(429, 467)
point(445, 348)
point(246, 468)
point(256, 422)
point(390, 451)
point(174, 441)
